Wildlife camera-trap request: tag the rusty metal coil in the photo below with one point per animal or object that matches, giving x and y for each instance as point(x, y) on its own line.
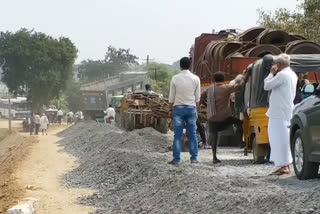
point(262, 50)
point(295, 37)
point(229, 48)
point(250, 34)
point(274, 37)
point(302, 47)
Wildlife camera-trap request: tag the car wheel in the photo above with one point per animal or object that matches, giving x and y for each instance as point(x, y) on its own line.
point(303, 168)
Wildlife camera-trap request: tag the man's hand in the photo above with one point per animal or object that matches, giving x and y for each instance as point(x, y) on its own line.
point(170, 110)
point(198, 107)
point(274, 69)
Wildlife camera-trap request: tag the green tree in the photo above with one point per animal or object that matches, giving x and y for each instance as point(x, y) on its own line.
point(305, 20)
point(36, 65)
point(73, 95)
point(159, 77)
point(115, 61)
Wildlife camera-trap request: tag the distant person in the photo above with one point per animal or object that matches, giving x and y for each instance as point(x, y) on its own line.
point(148, 89)
point(31, 124)
point(282, 82)
point(110, 114)
point(37, 123)
point(70, 118)
point(219, 112)
point(184, 97)
point(79, 115)
point(44, 122)
point(60, 115)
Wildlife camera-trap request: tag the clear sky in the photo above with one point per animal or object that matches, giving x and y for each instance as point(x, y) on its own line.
point(164, 29)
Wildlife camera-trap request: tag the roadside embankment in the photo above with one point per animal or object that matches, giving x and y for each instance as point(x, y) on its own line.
point(13, 150)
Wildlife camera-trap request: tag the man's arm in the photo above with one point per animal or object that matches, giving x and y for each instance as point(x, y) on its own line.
point(203, 97)
point(237, 87)
point(197, 91)
point(172, 95)
point(272, 80)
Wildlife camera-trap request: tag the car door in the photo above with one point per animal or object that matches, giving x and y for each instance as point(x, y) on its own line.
point(313, 125)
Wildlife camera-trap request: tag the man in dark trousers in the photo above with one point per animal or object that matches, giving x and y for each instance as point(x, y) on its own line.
point(219, 112)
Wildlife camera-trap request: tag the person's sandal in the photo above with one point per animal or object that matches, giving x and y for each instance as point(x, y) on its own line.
point(281, 171)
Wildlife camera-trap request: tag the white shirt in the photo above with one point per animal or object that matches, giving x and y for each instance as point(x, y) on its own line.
point(44, 120)
point(184, 89)
point(110, 112)
point(60, 113)
point(37, 119)
point(283, 87)
point(70, 114)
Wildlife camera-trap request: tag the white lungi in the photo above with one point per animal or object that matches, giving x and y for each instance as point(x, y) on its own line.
point(279, 139)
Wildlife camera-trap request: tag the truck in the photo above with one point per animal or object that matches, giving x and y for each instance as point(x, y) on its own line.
point(93, 104)
point(236, 53)
point(97, 95)
point(138, 110)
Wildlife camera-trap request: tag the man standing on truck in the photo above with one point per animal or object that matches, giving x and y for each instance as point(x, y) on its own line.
point(282, 82)
point(219, 112)
point(110, 114)
point(184, 98)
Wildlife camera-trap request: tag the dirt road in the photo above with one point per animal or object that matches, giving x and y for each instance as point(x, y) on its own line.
point(42, 171)
point(37, 173)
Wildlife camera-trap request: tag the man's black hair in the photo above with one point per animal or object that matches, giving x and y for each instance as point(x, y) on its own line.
point(218, 76)
point(147, 87)
point(185, 63)
point(110, 105)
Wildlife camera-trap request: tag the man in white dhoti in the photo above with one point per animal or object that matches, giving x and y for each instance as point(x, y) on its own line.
point(282, 82)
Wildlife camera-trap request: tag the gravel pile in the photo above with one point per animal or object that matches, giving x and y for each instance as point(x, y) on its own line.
point(130, 173)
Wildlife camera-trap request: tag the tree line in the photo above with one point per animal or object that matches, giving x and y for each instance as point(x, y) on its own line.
point(304, 20)
point(41, 67)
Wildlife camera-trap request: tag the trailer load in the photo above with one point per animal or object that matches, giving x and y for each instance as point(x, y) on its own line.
point(232, 55)
point(140, 109)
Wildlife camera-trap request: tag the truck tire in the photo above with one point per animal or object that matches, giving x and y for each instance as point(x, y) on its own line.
point(130, 122)
point(162, 126)
point(257, 158)
point(303, 168)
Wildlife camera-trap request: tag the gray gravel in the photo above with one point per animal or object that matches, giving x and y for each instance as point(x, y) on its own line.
point(130, 174)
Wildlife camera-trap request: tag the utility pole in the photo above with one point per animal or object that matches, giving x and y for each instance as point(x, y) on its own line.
point(9, 110)
point(148, 60)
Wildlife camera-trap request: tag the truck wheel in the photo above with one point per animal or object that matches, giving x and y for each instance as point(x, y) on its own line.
point(257, 158)
point(130, 122)
point(303, 168)
point(162, 126)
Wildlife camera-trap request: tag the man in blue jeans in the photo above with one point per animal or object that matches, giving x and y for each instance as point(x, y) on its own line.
point(184, 98)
